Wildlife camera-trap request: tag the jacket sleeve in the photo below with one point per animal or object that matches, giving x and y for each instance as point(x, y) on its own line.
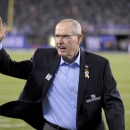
point(13, 68)
point(112, 102)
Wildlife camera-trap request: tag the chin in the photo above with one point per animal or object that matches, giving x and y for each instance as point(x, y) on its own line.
point(62, 54)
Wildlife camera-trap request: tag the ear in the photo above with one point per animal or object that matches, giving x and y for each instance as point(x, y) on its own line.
point(80, 38)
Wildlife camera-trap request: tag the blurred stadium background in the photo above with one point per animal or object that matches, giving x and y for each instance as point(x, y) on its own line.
point(106, 30)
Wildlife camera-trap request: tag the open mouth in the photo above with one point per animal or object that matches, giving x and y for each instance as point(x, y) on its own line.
point(61, 48)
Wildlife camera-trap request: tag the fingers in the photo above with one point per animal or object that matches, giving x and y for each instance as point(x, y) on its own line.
point(6, 31)
point(2, 33)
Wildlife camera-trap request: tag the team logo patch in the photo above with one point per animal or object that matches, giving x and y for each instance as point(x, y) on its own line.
point(93, 98)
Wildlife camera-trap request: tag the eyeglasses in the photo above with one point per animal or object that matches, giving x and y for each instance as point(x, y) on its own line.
point(64, 37)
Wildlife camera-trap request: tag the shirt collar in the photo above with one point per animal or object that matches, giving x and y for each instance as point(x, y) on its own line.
point(77, 61)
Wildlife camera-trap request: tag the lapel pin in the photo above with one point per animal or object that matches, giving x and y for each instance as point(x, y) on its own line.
point(86, 66)
point(86, 72)
point(48, 76)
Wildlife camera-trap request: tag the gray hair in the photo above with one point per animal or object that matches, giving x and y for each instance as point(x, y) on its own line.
point(76, 25)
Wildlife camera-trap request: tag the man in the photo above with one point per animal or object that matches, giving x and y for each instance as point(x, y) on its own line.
point(66, 87)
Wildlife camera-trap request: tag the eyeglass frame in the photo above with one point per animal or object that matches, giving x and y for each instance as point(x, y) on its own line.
point(63, 36)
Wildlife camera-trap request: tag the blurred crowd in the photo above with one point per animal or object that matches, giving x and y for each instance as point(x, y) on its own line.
point(37, 18)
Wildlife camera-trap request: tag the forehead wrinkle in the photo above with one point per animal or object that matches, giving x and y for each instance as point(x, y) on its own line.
point(61, 29)
point(76, 27)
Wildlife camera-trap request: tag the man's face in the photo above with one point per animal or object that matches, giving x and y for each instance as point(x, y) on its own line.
point(67, 46)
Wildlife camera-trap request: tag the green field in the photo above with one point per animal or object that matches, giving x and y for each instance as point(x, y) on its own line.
point(10, 88)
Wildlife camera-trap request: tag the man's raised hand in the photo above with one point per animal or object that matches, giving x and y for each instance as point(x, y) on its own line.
point(2, 33)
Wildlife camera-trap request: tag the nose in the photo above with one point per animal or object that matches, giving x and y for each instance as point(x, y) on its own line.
point(60, 39)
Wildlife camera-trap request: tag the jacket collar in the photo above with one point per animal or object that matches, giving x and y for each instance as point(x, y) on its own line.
point(84, 60)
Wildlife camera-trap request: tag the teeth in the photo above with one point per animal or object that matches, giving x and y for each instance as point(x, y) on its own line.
point(61, 47)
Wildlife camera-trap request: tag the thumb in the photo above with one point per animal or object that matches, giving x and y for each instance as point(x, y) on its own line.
point(3, 34)
point(6, 31)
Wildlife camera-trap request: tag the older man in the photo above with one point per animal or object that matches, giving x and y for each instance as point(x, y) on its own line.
point(66, 87)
